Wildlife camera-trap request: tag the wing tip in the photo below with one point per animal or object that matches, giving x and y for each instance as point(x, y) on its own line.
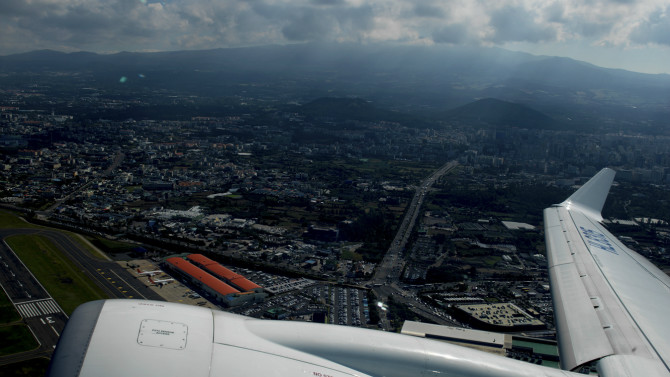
point(590, 198)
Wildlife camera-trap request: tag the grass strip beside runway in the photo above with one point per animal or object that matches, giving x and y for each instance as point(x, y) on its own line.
point(34, 367)
point(15, 339)
point(7, 312)
point(66, 283)
point(11, 220)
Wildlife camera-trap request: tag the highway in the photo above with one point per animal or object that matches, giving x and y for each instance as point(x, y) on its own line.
point(387, 273)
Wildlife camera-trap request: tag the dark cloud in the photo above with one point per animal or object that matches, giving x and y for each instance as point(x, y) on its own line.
point(245, 22)
point(451, 34)
point(312, 24)
point(80, 20)
point(428, 10)
point(79, 25)
point(308, 26)
point(17, 8)
point(655, 30)
point(516, 24)
point(357, 19)
point(588, 29)
point(329, 2)
point(555, 12)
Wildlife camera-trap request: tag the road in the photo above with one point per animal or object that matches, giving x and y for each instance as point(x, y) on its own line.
point(393, 256)
point(388, 271)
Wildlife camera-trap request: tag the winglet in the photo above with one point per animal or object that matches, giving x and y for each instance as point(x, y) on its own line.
point(590, 198)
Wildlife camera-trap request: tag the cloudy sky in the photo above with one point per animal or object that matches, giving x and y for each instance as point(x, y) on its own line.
point(630, 34)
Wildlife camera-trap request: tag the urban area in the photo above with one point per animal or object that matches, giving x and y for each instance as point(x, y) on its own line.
point(284, 213)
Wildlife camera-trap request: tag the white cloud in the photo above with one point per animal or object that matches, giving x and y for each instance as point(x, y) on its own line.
point(112, 25)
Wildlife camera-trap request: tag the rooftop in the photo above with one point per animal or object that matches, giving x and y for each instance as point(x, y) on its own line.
point(201, 275)
point(502, 314)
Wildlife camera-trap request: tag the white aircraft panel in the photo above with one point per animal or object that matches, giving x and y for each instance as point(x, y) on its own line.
point(581, 337)
point(123, 324)
point(164, 334)
point(235, 361)
point(233, 330)
point(642, 289)
point(380, 353)
point(555, 238)
point(627, 365)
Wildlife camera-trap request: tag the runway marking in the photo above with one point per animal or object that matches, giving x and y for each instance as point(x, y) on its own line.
point(38, 307)
point(35, 279)
point(36, 300)
point(131, 287)
point(57, 334)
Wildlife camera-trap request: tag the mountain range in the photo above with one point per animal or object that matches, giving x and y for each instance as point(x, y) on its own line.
point(424, 80)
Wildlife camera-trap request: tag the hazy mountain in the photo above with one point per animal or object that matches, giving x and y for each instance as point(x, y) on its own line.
point(493, 112)
point(342, 109)
point(406, 78)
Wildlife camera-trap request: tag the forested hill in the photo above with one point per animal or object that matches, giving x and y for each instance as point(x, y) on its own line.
point(494, 112)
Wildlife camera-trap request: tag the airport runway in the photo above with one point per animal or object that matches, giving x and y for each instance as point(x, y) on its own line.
point(37, 308)
point(40, 312)
point(108, 275)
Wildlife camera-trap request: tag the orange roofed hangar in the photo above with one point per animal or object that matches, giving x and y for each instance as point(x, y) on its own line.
point(213, 286)
point(236, 280)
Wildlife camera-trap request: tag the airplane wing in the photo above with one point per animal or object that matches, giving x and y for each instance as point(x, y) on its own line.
point(611, 305)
